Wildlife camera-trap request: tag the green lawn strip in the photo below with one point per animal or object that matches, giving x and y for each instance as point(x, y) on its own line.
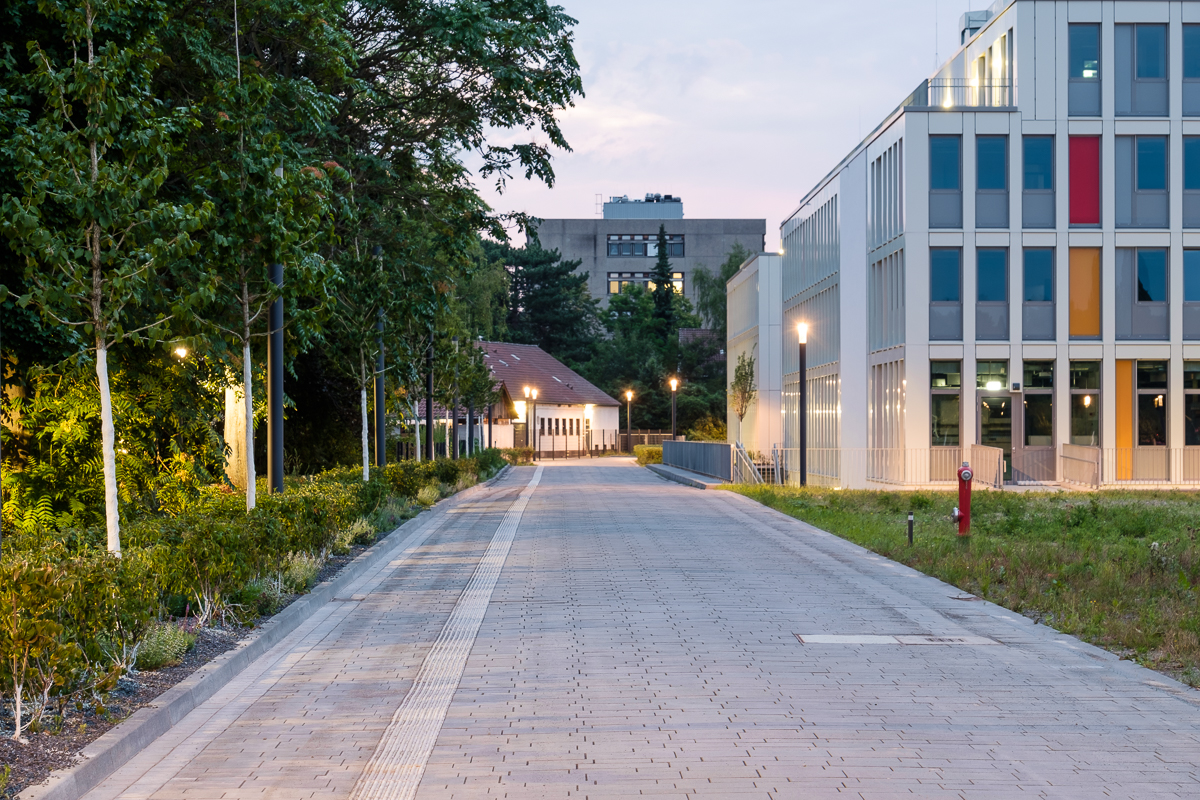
point(1117, 569)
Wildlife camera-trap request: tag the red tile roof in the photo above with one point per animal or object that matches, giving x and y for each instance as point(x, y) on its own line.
point(520, 365)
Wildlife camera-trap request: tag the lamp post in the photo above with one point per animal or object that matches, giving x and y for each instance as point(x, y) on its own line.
point(380, 405)
point(674, 386)
point(429, 398)
point(533, 418)
point(275, 387)
point(454, 404)
point(629, 418)
point(802, 335)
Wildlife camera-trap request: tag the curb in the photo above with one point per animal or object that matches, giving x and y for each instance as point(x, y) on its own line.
point(679, 476)
point(116, 747)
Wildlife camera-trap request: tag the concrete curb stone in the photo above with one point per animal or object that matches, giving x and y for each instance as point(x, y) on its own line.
point(683, 476)
point(109, 752)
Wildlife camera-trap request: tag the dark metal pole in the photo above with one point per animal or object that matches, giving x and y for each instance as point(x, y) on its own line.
point(470, 428)
point(672, 415)
point(454, 403)
point(910, 528)
point(803, 414)
point(629, 423)
point(275, 388)
point(490, 426)
point(429, 399)
point(380, 407)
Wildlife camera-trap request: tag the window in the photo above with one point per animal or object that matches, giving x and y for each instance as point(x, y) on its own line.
point(1037, 198)
point(991, 181)
point(1084, 292)
point(618, 281)
point(1191, 294)
point(945, 293)
point(1084, 153)
point(1141, 70)
point(946, 384)
point(991, 308)
point(1038, 301)
point(1191, 70)
point(1141, 181)
point(1039, 404)
point(1191, 181)
point(1085, 403)
point(991, 376)
point(1142, 309)
point(945, 181)
point(1151, 403)
point(1191, 403)
point(642, 245)
point(1083, 87)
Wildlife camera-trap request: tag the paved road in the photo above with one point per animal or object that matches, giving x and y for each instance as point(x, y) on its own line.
point(590, 630)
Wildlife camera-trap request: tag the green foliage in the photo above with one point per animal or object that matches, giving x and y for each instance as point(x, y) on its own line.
point(299, 572)
point(742, 388)
point(648, 453)
point(664, 289)
point(163, 646)
point(518, 456)
point(709, 290)
point(1119, 569)
point(708, 429)
point(429, 494)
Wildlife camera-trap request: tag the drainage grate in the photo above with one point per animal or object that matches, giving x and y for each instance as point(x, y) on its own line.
point(870, 638)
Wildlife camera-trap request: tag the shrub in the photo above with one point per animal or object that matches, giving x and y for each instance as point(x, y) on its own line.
point(648, 453)
point(260, 597)
point(465, 481)
point(390, 516)
point(163, 646)
point(490, 461)
point(300, 572)
point(518, 456)
point(361, 531)
point(429, 495)
point(709, 429)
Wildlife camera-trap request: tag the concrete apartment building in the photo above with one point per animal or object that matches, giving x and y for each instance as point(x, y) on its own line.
point(621, 247)
point(1025, 232)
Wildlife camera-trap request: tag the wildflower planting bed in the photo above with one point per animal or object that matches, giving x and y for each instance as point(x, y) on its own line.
point(1118, 569)
point(87, 638)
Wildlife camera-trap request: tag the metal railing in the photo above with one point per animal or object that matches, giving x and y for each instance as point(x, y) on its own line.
point(706, 458)
point(744, 470)
point(987, 465)
point(1080, 464)
point(868, 467)
point(960, 93)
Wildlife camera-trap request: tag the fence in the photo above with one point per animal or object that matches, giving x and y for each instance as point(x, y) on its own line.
point(706, 458)
point(987, 465)
point(628, 440)
point(1081, 465)
point(960, 93)
point(859, 468)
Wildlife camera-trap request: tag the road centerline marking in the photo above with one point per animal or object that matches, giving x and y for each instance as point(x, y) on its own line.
point(398, 763)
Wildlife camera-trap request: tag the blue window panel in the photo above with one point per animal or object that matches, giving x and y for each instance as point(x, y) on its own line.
point(1039, 162)
point(992, 162)
point(944, 275)
point(1151, 163)
point(1152, 276)
point(1191, 51)
point(992, 277)
point(1084, 51)
point(1151, 51)
point(1191, 162)
point(944, 162)
point(1039, 276)
point(1191, 276)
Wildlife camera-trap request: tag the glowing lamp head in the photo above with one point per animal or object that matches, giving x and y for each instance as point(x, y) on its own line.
point(181, 351)
point(526, 391)
point(674, 384)
point(993, 386)
point(533, 394)
point(802, 332)
point(629, 396)
point(1087, 401)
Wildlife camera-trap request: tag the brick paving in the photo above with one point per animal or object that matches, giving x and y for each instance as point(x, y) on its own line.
point(641, 639)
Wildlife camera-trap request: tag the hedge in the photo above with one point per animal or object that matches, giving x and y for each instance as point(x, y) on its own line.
point(648, 453)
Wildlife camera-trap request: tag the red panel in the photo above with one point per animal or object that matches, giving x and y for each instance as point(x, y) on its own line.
point(1085, 180)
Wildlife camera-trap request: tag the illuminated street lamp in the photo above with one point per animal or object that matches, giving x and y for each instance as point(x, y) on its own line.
point(531, 417)
point(674, 386)
point(629, 417)
point(802, 335)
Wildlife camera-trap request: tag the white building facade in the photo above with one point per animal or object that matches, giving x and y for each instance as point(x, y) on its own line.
point(754, 318)
point(1009, 265)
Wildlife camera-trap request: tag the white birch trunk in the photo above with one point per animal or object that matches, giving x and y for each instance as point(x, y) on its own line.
point(235, 436)
point(366, 455)
point(416, 409)
point(108, 440)
point(248, 395)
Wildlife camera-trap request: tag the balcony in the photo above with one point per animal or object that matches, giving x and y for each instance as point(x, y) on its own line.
point(960, 93)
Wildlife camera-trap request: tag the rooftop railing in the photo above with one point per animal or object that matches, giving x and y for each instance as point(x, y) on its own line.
point(960, 93)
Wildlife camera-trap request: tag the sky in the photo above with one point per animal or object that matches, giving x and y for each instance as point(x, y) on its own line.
point(737, 107)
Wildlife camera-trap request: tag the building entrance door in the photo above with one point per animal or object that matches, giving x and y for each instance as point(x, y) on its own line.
point(1034, 456)
point(996, 427)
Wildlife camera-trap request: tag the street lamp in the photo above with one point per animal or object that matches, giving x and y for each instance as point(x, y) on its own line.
point(533, 396)
point(674, 386)
point(454, 404)
point(802, 335)
point(528, 420)
point(629, 418)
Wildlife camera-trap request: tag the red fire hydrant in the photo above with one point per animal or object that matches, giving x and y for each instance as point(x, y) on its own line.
point(962, 514)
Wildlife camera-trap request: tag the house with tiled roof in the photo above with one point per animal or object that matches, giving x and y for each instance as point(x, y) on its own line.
point(562, 414)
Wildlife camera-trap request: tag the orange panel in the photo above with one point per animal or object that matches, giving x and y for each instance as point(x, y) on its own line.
point(1124, 409)
point(1084, 291)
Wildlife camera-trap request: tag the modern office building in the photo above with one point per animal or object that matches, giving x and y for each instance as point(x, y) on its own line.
point(754, 315)
point(621, 247)
point(1007, 269)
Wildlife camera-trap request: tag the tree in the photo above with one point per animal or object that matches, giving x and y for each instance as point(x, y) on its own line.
point(549, 303)
point(710, 290)
point(742, 389)
point(664, 288)
point(89, 222)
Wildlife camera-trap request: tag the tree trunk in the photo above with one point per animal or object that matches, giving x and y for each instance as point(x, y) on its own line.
point(109, 446)
point(248, 395)
point(362, 392)
point(416, 410)
point(235, 436)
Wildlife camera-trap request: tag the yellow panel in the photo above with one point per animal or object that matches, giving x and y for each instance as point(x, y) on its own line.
point(1124, 409)
point(1084, 292)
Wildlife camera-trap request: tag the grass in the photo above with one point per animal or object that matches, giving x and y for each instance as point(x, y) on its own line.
point(164, 646)
point(1118, 569)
